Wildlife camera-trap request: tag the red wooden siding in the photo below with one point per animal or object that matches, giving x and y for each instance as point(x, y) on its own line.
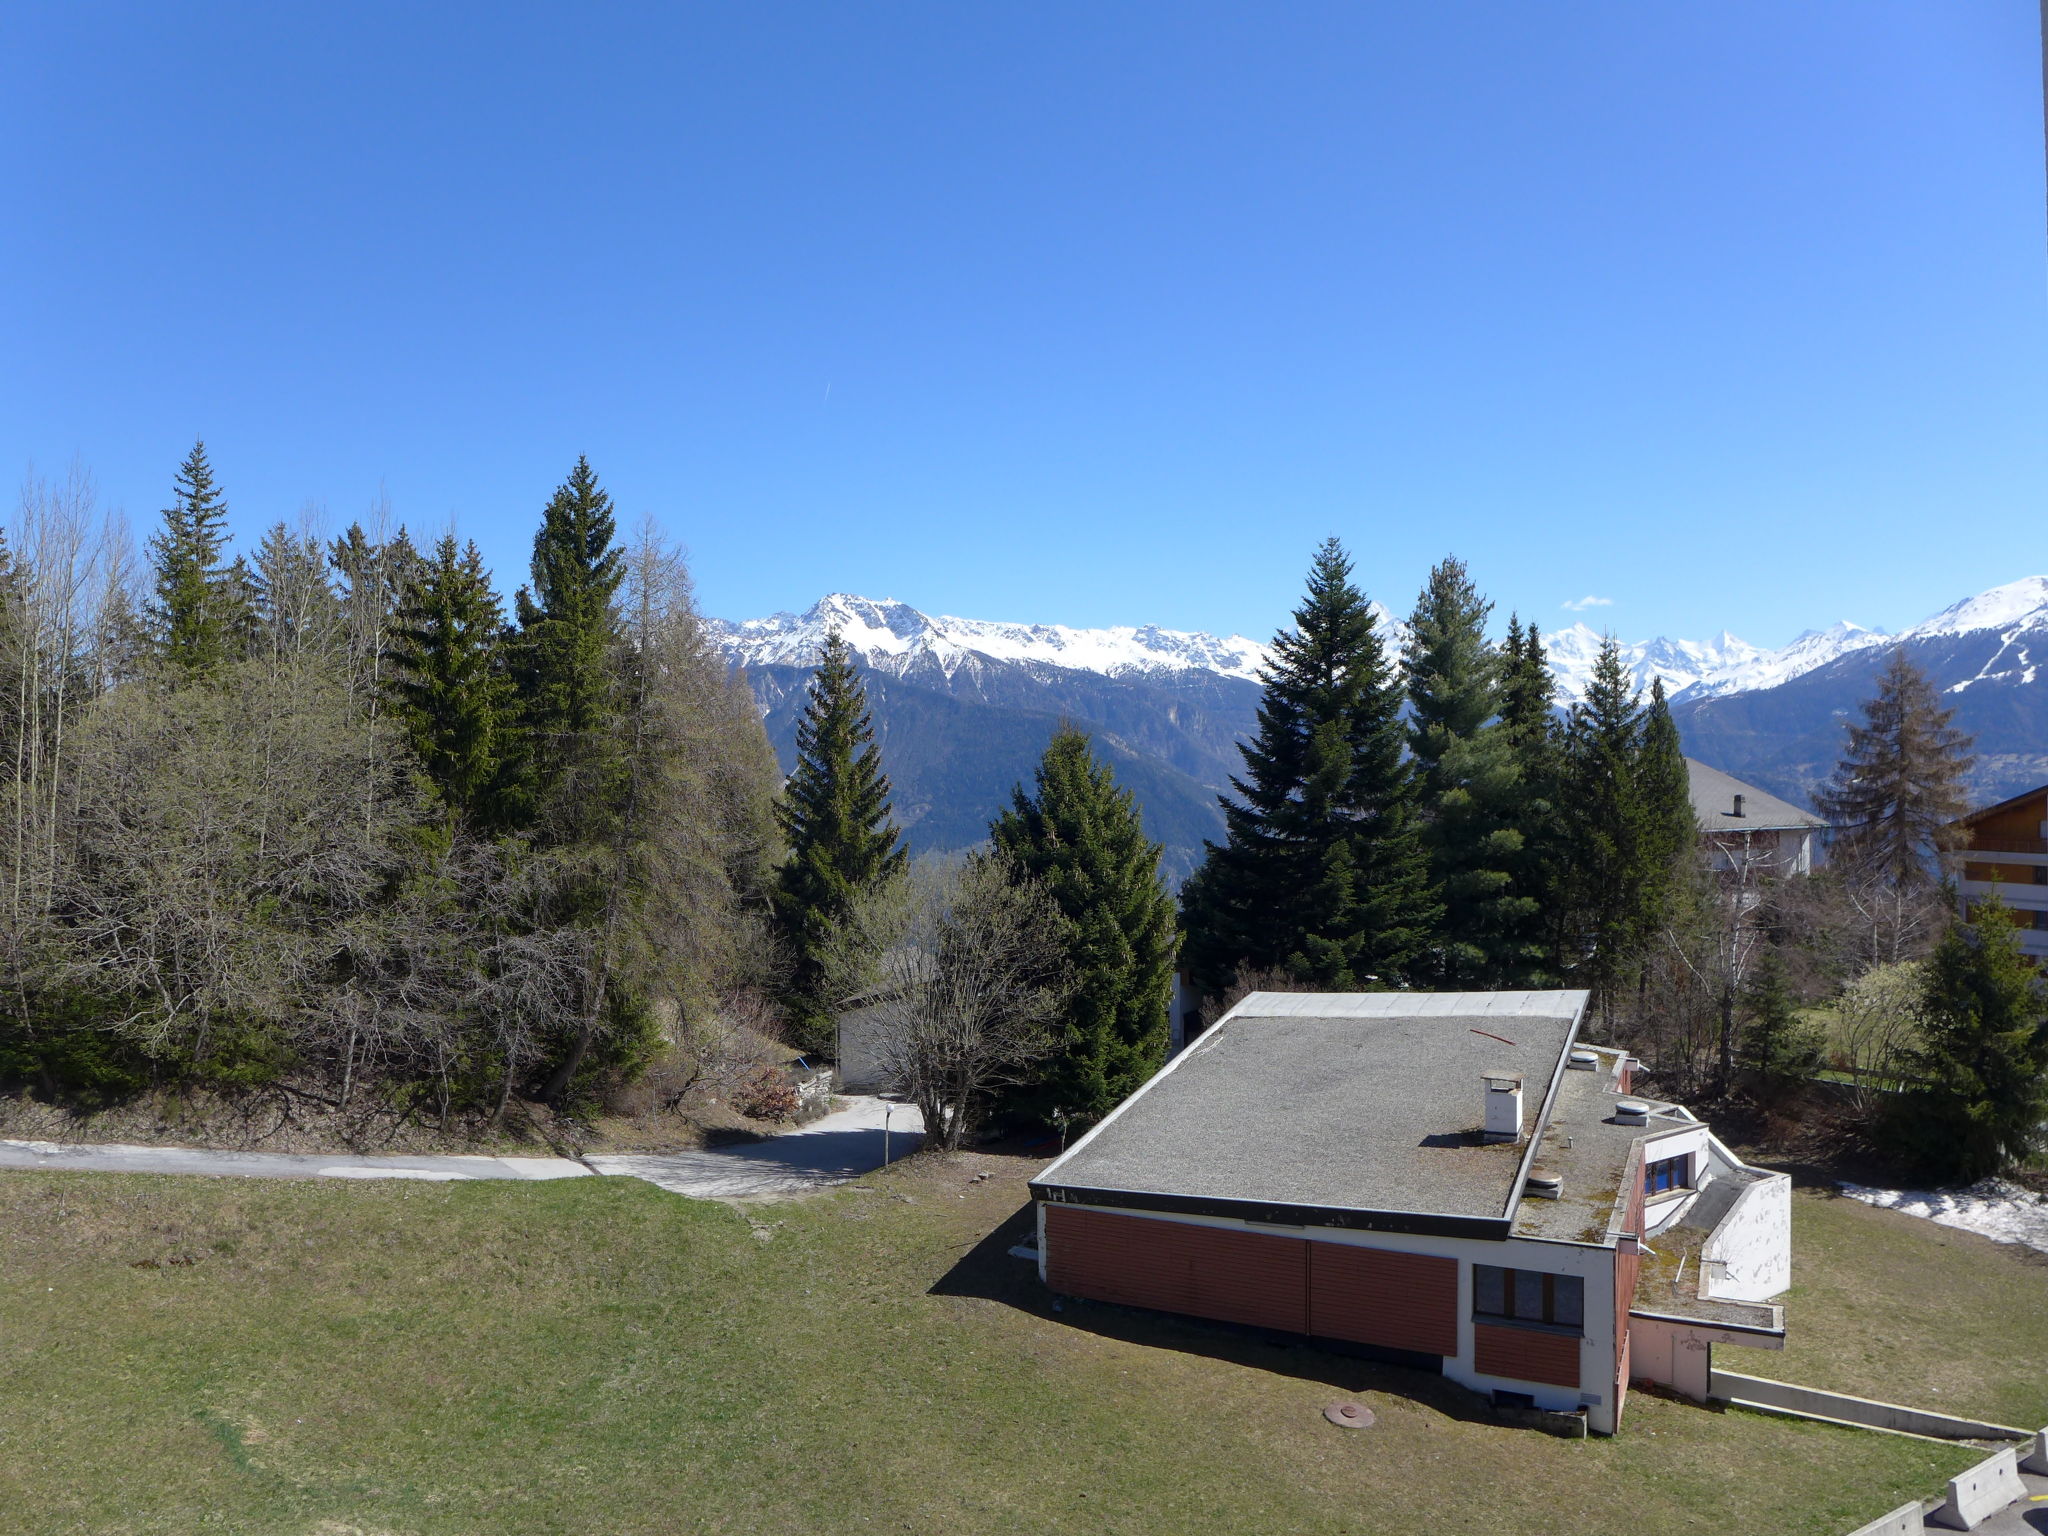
point(1526, 1354)
point(1139, 1261)
point(1628, 1261)
point(1373, 1296)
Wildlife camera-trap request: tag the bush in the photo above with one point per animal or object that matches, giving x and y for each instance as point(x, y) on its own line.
point(768, 1094)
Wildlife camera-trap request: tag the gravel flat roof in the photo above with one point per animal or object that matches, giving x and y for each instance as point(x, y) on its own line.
point(1361, 1101)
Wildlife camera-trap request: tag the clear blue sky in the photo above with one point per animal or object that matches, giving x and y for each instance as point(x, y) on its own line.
point(1736, 314)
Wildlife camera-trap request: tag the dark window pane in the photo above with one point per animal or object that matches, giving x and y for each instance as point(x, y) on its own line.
point(1489, 1290)
point(1570, 1301)
point(1529, 1295)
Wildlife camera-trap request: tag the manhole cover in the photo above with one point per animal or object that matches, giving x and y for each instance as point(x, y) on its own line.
point(1349, 1415)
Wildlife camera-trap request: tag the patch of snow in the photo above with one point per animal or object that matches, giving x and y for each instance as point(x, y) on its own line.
point(1993, 1208)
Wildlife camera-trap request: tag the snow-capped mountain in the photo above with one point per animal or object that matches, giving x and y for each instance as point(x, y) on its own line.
point(964, 706)
point(892, 636)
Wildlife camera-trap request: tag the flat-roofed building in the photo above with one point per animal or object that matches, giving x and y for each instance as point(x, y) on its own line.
point(2007, 852)
point(1449, 1181)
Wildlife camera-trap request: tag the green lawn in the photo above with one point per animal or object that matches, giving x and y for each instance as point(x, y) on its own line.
point(596, 1355)
point(1894, 1307)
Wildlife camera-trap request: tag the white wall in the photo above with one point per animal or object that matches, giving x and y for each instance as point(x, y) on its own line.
point(1749, 1255)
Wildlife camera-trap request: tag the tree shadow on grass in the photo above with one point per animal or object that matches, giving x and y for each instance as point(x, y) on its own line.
point(989, 1272)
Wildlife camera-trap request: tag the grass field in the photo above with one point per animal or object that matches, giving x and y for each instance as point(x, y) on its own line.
point(597, 1356)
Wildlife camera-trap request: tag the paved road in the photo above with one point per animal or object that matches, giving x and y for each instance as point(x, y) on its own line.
point(843, 1145)
point(112, 1157)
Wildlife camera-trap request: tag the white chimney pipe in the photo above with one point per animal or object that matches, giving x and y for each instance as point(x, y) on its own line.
point(1503, 1103)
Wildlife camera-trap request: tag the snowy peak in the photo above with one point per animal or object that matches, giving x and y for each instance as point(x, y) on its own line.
point(896, 637)
point(2017, 605)
point(893, 635)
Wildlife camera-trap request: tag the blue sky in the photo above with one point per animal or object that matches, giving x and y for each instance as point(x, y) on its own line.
point(1731, 314)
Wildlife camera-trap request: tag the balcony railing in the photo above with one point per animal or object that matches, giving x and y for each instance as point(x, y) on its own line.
point(2034, 845)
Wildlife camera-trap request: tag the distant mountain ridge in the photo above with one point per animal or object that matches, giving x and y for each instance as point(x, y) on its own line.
point(964, 706)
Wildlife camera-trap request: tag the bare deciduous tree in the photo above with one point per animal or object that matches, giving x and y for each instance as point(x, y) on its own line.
point(974, 991)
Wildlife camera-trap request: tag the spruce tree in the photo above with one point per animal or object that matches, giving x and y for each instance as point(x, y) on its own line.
point(1982, 1098)
point(1080, 838)
point(1669, 830)
point(1899, 786)
point(196, 608)
point(1603, 820)
point(1780, 1049)
point(295, 609)
point(1322, 872)
point(842, 842)
point(565, 655)
point(450, 684)
point(1470, 785)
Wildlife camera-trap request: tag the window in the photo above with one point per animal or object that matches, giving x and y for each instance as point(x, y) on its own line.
point(1667, 1173)
point(1528, 1296)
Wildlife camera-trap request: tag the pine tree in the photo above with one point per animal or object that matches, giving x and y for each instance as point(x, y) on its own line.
point(1080, 837)
point(196, 611)
point(1529, 721)
point(1983, 1066)
point(1780, 1050)
point(564, 658)
point(1470, 787)
point(842, 841)
point(1899, 785)
point(1669, 830)
point(450, 684)
point(1603, 816)
point(295, 610)
point(1323, 871)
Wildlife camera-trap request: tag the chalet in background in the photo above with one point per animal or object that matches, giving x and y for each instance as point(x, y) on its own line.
point(2008, 853)
point(1749, 830)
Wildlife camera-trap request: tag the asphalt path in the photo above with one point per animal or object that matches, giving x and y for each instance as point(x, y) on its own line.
point(841, 1146)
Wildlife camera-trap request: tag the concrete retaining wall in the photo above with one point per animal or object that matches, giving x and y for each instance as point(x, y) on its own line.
point(1733, 1387)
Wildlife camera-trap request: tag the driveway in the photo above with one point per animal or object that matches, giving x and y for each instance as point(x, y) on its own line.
point(843, 1145)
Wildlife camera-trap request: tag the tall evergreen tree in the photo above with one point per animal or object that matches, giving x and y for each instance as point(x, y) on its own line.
point(294, 607)
point(1899, 785)
point(1603, 822)
point(842, 840)
point(565, 656)
point(1983, 1067)
point(1529, 721)
point(1323, 871)
point(450, 684)
point(194, 615)
point(1080, 837)
point(1471, 790)
point(1669, 830)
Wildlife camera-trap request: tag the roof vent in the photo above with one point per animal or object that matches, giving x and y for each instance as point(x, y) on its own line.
point(1503, 1119)
point(1582, 1060)
point(1543, 1184)
point(1631, 1112)
point(1738, 811)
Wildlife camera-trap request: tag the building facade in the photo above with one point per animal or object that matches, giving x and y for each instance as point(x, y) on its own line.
point(1748, 831)
point(1446, 1181)
point(2007, 852)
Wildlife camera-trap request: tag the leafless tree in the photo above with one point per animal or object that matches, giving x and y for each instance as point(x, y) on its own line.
point(973, 992)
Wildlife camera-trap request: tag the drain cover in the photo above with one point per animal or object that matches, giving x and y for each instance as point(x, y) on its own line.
point(1349, 1415)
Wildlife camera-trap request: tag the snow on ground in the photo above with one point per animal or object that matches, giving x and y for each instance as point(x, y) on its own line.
point(2003, 1212)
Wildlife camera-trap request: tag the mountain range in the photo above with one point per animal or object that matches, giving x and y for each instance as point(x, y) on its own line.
point(963, 707)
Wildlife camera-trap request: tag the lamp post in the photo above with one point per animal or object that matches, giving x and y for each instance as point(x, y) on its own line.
point(888, 1109)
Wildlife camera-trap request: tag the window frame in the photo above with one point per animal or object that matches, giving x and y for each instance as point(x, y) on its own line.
point(1667, 1175)
point(1549, 1285)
